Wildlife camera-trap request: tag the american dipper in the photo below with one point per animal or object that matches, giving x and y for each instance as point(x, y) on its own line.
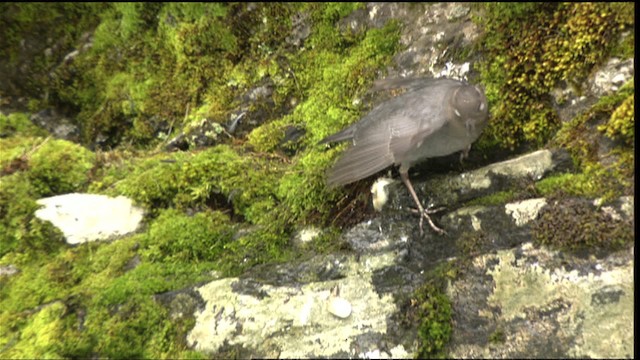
point(434, 117)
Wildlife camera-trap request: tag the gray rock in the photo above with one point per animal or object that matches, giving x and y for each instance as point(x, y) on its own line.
point(611, 76)
point(301, 29)
point(59, 126)
point(432, 35)
point(456, 12)
point(537, 303)
point(525, 211)
point(197, 134)
point(90, 217)
point(294, 320)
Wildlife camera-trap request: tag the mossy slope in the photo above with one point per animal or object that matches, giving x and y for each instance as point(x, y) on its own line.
point(146, 71)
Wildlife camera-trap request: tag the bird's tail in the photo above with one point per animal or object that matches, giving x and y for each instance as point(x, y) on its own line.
point(346, 134)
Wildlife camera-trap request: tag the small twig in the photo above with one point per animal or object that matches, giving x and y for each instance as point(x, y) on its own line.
point(38, 146)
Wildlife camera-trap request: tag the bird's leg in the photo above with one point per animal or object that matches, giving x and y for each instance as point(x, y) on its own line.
point(464, 154)
point(424, 214)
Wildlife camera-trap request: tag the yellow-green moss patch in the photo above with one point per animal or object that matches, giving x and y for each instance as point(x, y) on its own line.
point(530, 48)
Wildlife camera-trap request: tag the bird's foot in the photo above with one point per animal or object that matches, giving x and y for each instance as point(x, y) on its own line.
point(424, 214)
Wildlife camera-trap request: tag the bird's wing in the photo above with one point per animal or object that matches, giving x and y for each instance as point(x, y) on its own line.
point(411, 129)
point(345, 134)
point(368, 155)
point(408, 137)
point(377, 147)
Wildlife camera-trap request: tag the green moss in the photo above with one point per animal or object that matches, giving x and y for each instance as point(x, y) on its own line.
point(105, 295)
point(150, 181)
point(573, 224)
point(196, 29)
point(595, 181)
point(41, 334)
point(530, 49)
point(168, 56)
point(174, 236)
point(266, 138)
point(18, 123)
point(14, 156)
point(136, 328)
point(622, 122)
point(129, 329)
point(597, 178)
point(59, 166)
point(626, 48)
point(219, 177)
point(20, 230)
point(497, 337)
point(434, 328)
point(258, 246)
point(30, 57)
point(471, 244)
point(51, 166)
point(497, 198)
point(572, 184)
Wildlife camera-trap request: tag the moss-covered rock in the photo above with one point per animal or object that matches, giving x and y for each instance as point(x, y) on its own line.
point(432, 307)
point(605, 170)
point(18, 123)
point(41, 335)
point(174, 236)
point(59, 166)
point(32, 168)
point(574, 224)
point(532, 47)
point(621, 125)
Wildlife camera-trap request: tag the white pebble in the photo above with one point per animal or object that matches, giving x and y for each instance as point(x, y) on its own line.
point(339, 307)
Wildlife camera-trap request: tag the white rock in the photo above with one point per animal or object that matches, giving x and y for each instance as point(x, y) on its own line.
point(339, 307)
point(90, 217)
point(525, 211)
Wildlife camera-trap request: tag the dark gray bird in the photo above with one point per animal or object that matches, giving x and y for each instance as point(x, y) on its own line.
point(434, 117)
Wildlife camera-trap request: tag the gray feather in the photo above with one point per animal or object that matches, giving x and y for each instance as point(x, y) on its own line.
point(343, 135)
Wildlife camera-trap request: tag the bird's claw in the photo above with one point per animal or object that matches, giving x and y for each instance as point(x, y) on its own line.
point(424, 214)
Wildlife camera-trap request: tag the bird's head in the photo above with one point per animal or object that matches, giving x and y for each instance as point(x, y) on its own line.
point(470, 105)
point(469, 102)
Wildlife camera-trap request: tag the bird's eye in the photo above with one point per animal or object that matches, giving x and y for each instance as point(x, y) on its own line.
point(482, 106)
